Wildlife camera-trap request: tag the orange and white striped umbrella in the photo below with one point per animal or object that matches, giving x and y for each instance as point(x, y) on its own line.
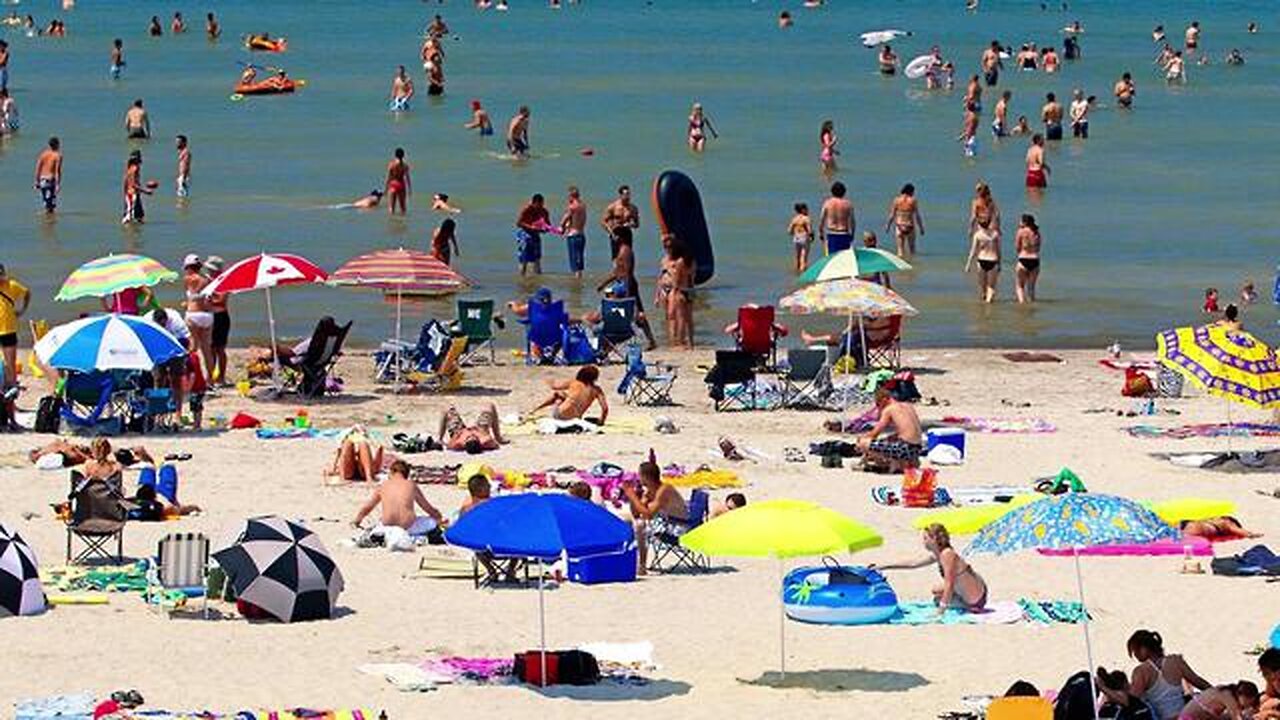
point(406, 271)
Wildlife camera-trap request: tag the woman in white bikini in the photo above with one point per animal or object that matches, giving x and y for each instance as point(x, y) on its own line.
point(199, 315)
point(1161, 679)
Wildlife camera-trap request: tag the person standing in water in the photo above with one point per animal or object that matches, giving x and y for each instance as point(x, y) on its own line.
point(621, 213)
point(532, 221)
point(888, 61)
point(178, 26)
point(137, 124)
point(699, 126)
point(479, 119)
point(1192, 36)
point(801, 231)
point(401, 90)
point(48, 180)
point(1051, 114)
point(4, 65)
point(399, 184)
point(827, 139)
point(985, 249)
point(132, 190)
point(969, 130)
point(154, 28)
point(444, 241)
point(183, 180)
point(574, 226)
point(117, 58)
point(1027, 245)
point(1000, 122)
point(1125, 91)
point(1037, 168)
point(211, 29)
point(518, 134)
point(991, 64)
point(836, 222)
point(1079, 115)
point(905, 221)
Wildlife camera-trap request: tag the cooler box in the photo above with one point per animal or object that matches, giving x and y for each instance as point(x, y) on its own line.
point(608, 568)
point(944, 436)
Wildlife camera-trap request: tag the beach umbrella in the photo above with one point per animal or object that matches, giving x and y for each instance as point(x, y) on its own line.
point(1070, 522)
point(108, 342)
point(543, 527)
point(112, 274)
point(263, 272)
point(401, 271)
point(1229, 363)
point(851, 263)
point(283, 568)
point(780, 529)
point(848, 296)
point(20, 590)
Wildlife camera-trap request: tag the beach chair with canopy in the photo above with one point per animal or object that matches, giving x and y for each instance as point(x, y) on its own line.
point(317, 363)
point(98, 513)
point(181, 564)
point(807, 381)
point(475, 324)
point(757, 334)
point(666, 554)
point(732, 381)
point(545, 330)
point(645, 383)
point(617, 327)
point(92, 403)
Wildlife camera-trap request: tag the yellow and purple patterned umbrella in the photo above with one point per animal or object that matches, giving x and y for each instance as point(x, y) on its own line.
point(847, 296)
point(111, 274)
point(1223, 361)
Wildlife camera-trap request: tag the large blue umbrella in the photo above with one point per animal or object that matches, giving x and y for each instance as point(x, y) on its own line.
point(541, 526)
point(108, 342)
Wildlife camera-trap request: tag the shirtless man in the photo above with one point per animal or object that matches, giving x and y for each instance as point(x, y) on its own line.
point(624, 273)
point(437, 29)
point(183, 179)
point(969, 130)
point(486, 434)
point(1125, 91)
point(479, 119)
point(619, 214)
point(1269, 667)
point(1192, 36)
point(904, 448)
point(836, 223)
point(401, 91)
point(398, 496)
point(211, 28)
point(518, 133)
point(137, 124)
point(656, 502)
point(49, 174)
point(991, 64)
point(132, 189)
point(1175, 69)
point(117, 59)
point(1000, 122)
point(570, 399)
point(905, 221)
point(1037, 168)
point(1051, 114)
point(888, 61)
point(399, 184)
point(574, 226)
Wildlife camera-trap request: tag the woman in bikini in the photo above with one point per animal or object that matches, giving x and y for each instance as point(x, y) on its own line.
point(699, 125)
point(199, 314)
point(827, 139)
point(1027, 244)
point(678, 270)
point(984, 226)
point(962, 587)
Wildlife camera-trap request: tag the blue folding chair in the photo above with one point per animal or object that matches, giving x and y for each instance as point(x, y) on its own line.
point(617, 327)
point(90, 403)
point(545, 328)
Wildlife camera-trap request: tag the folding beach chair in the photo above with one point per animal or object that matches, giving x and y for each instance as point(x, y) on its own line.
point(92, 404)
point(617, 327)
point(39, 328)
point(807, 381)
point(545, 330)
point(475, 323)
point(396, 359)
point(664, 538)
point(98, 513)
point(646, 383)
point(758, 334)
point(322, 354)
point(495, 571)
point(181, 564)
point(884, 344)
point(732, 381)
point(449, 376)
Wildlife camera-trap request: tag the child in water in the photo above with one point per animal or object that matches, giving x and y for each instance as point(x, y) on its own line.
point(1210, 302)
point(801, 232)
point(1248, 294)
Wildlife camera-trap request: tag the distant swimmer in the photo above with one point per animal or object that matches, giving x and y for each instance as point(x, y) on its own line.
point(992, 64)
point(211, 28)
point(13, 19)
point(1049, 59)
point(1157, 34)
point(1192, 36)
point(800, 230)
point(479, 119)
point(1071, 48)
point(1252, 29)
point(969, 130)
point(401, 90)
point(1175, 70)
point(1000, 122)
point(1079, 112)
point(155, 29)
point(827, 139)
point(1027, 57)
point(182, 182)
point(137, 124)
point(1234, 57)
point(905, 221)
point(48, 180)
point(435, 75)
point(4, 65)
point(971, 5)
point(440, 203)
point(8, 114)
point(367, 202)
point(501, 6)
point(437, 28)
point(399, 184)
point(699, 126)
point(1075, 28)
point(518, 133)
point(784, 19)
point(1037, 168)
point(1125, 91)
point(178, 26)
point(1023, 127)
point(117, 58)
point(1051, 114)
point(888, 60)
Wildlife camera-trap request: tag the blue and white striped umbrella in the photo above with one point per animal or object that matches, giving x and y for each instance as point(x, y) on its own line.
point(108, 342)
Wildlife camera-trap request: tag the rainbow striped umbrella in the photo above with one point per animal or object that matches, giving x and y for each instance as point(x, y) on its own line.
point(1229, 363)
point(111, 274)
point(405, 271)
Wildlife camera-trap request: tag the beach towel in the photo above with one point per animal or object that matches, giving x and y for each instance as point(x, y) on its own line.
point(60, 707)
point(1123, 365)
point(293, 433)
point(476, 671)
point(434, 474)
point(1246, 461)
point(1257, 560)
point(1049, 612)
point(636, 425)
point(307, 714)
point(985, 494)
point(622, 662)
point(706, 478)
point(1000, 425)
point(405, 677)
point(100, 578)
point(1205, 430)
point(1004, 612)
point(891, 495)
point(1023, 356)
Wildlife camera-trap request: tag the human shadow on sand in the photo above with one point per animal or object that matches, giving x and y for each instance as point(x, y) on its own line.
point(859, 679)
point(615, 691)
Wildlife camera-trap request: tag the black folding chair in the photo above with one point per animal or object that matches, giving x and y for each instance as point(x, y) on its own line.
point(807, 382)
point(322, 355)
point(732, 381)
point(98, 513)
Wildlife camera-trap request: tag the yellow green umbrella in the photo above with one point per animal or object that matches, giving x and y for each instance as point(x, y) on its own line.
point(781, 529)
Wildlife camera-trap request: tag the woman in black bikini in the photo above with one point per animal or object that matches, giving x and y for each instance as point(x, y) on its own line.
point(962, 587)
point(1027, 244)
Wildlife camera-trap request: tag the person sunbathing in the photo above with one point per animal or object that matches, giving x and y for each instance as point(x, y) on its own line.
point(153, 507)
point(357, 457)
point(398, 496)
point(732, 502)
point(962, 587)
point(1223, 527)
point(657, 507)
point(486, 434)
point(73, 454)
point(570, 400)
point(903, 448)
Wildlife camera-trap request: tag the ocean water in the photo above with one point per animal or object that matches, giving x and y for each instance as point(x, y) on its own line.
point(1179, 194)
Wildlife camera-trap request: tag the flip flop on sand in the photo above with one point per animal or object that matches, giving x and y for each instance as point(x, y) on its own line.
point(177, 457)
point(793, 455)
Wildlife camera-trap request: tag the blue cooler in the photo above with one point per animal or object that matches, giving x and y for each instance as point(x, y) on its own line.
point(945, 436)
point(607, 568)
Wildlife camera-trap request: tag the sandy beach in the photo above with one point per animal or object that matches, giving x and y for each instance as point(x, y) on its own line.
point(715, 635)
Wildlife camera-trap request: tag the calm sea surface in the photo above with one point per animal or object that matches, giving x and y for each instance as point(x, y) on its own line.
point(1179, 194)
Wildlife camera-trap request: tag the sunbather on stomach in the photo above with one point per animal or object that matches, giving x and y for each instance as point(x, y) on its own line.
point(1224, 527)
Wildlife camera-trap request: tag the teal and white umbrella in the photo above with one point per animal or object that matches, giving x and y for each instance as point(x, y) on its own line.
point(852, 263)
point(108, 342)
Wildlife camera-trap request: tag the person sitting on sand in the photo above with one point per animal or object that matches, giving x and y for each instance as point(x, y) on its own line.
point(1223, 527)
point(357, 457)
point(486, 434)
point(73, 455)
point(1117, 701)
point(1161, 679)
point(905, 446)
point(656, 503)
point(570, 399)
point(962, 587)
point(398, 495)
point(732, 502)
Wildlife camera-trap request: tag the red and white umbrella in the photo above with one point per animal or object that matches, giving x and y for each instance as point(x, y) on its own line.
point(263, 272)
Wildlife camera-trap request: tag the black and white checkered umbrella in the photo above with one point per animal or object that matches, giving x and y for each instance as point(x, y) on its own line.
point(20, 589)
point(283, 568)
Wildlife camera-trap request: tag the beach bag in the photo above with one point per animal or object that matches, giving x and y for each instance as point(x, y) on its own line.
point(918, 487)
point(1136, 383)
point(528, 668)
point(578, 667)
point(1075, 699)
point(577, 346)
point(1168, 383)
point(48, 414)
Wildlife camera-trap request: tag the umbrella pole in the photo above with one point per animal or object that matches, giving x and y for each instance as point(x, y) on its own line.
point(1088, 645)
point(399, 300)
point(542, 623)
point(275, 357)
point(862, 331)
point(848, 337)
point(782, 625)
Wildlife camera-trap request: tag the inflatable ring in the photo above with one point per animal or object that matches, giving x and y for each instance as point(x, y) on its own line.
point(835, 594)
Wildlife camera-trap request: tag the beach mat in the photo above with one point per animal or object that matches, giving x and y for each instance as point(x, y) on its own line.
point(1238, 462)
point(1196, 545)
point(1122, 365)
point(1004, 612)
point(1000, 426)
point(615, 426)
point(1204, 430)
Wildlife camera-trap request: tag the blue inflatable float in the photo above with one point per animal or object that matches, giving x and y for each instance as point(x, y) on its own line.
point(678, 206)
point(835, 594)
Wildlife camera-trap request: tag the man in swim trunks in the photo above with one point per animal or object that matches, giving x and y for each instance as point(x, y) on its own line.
point(905, 221)
point(991, 63)
point(969, 130)
point(399, 184)
point(624, 274)
point(398, 496)
point(658, 507)
point(836, 223)
point(137, 124)
point(619, 214)
point(479, 119)
point(486, 434)
point(1051, 114)
point(132, 188)
point(888, 61)
point(49, 174)
point(1037, 169)
point(906, 444)
point(532, 221)
point(117, 58)
point(401, 90)
point(1125, 91)
point(570, 399)
point(574, 226)
point(1000, 122)
point(182, 182)
point(518, 133)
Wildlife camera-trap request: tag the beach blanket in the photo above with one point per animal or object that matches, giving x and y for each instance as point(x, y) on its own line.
point(622, 662)
point(1000, 425)
point(1257, 560)
point(1122, 365)
point(1004, 612)
point(1246, 461)
point(434, 474)
point(985, 494)
point(1023, 356)
point(634, 425)
point(1048, 612)
point(891, 495)
point(101, 578)
point(294, 433)
point(1205, 430)
point(63, 707)
point(405, 677)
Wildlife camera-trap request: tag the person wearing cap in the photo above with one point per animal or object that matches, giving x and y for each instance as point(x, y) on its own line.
point(213, 266)
point(541, 296)
point(14, 299)
point(199, 315)
point(479, 119)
